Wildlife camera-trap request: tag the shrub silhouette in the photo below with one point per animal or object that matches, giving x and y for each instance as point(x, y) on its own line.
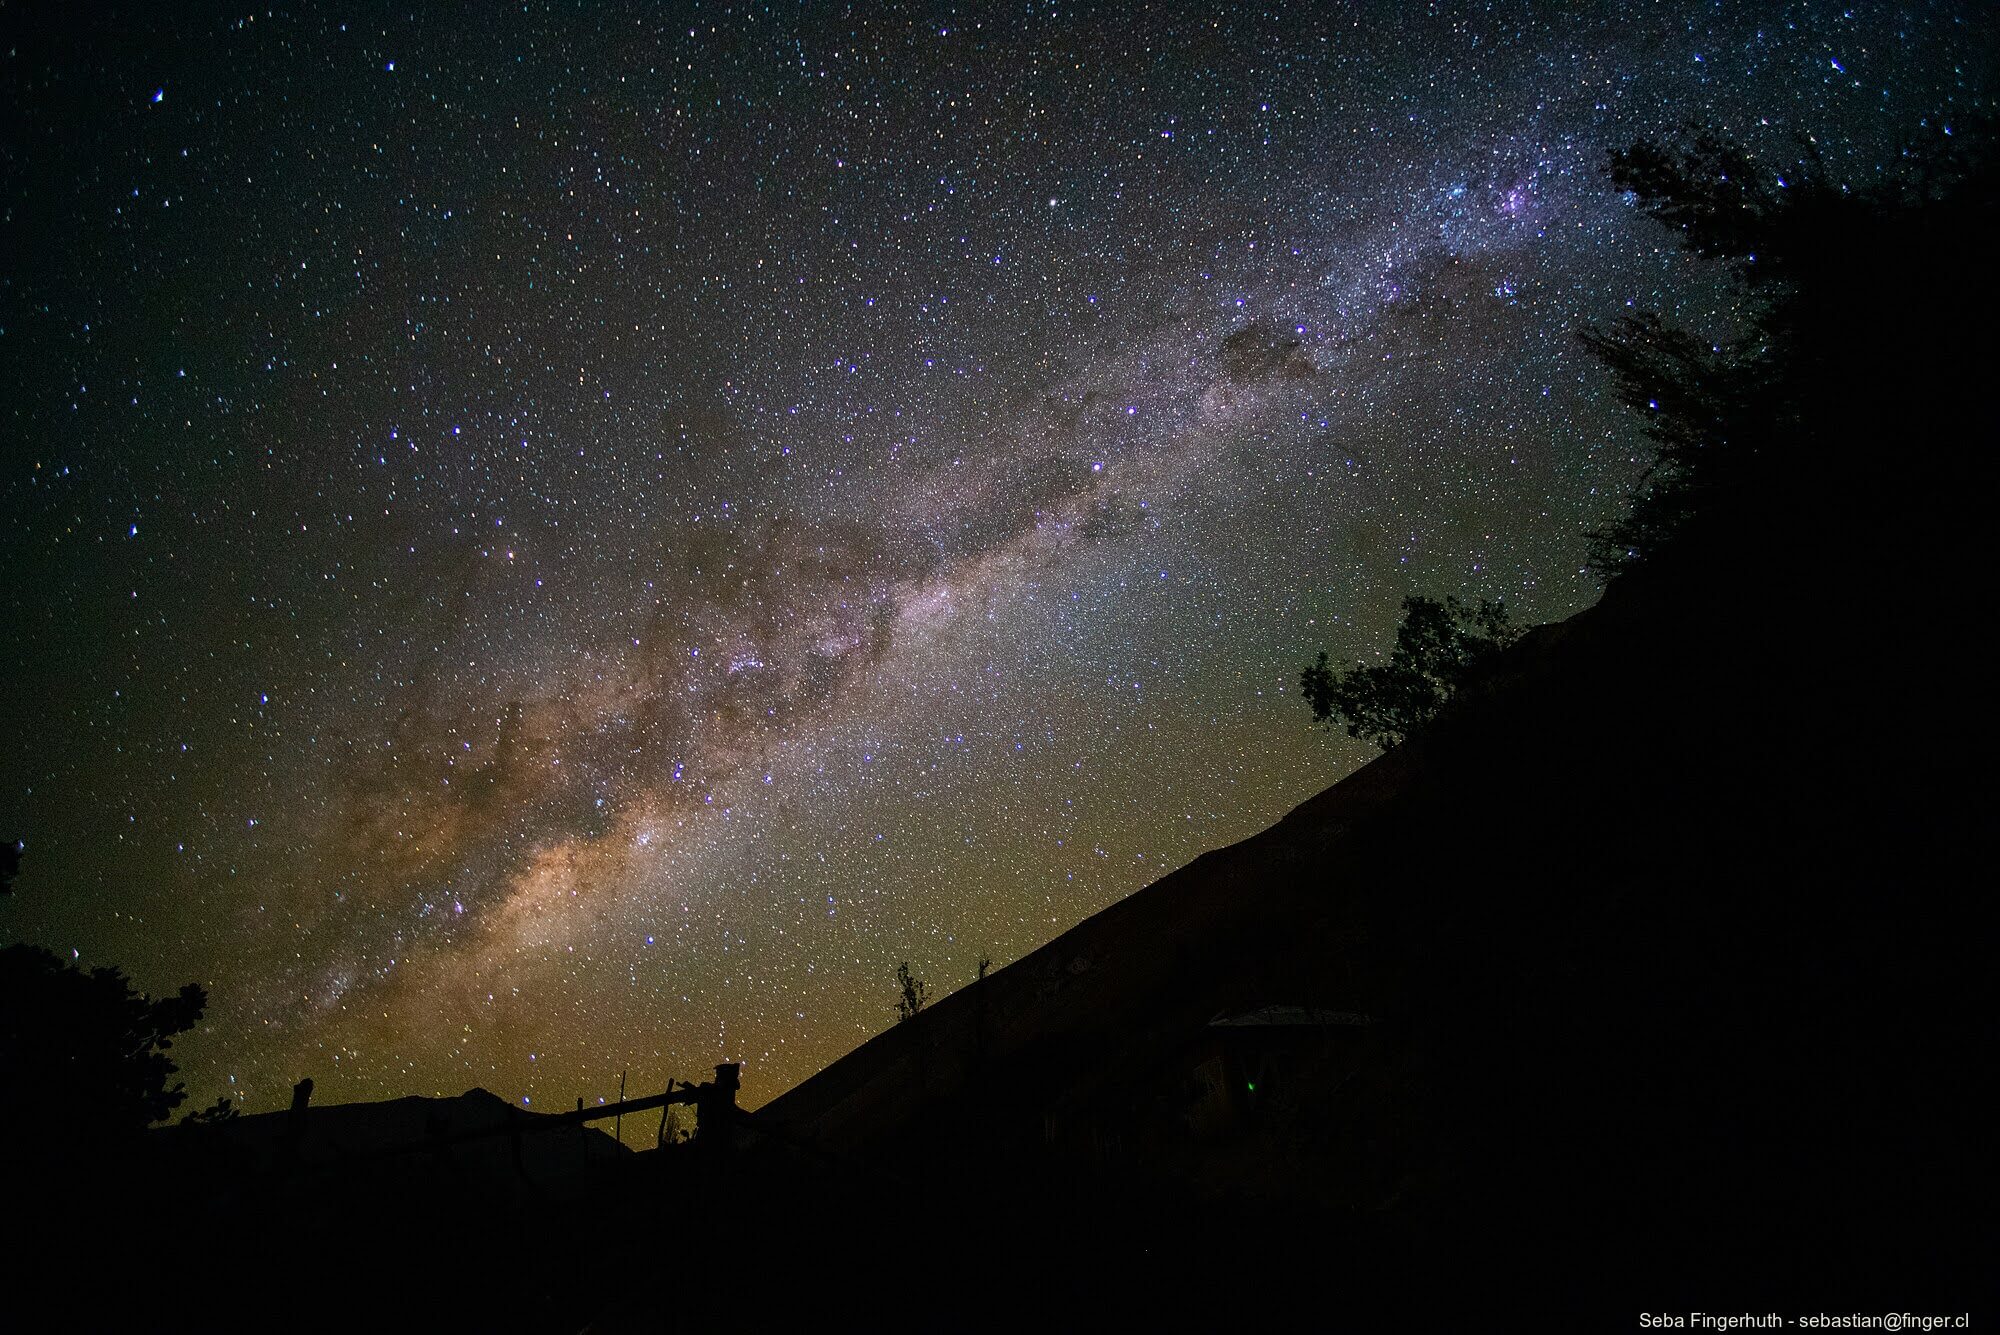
point(222, 1110)
point(915, 993)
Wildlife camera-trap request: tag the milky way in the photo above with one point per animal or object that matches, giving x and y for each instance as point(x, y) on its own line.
point(572, 539)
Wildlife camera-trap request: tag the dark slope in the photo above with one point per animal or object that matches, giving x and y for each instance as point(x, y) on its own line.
point(1672, 936)
point(1670, 963)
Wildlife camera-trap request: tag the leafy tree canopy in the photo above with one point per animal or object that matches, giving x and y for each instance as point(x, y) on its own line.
point(1846, 299)
point(83, 1056)
point(1438, 647)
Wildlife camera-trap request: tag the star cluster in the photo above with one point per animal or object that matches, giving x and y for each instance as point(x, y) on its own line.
point(568, 539)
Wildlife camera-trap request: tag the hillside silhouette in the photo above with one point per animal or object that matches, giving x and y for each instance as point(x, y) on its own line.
point(1636, 975)
point(1642, 976)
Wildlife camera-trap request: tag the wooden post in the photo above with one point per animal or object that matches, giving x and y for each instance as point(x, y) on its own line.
point(295, 1120)
point(715, 1107)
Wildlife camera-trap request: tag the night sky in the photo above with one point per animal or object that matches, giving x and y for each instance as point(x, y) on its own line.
point(548, 539)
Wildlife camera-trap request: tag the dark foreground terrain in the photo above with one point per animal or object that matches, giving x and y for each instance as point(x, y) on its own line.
point(1643, 981)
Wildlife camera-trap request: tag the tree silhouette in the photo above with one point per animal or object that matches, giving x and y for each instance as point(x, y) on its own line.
point(1851, 296)
point(1438, 647)
point(915, 993)
point(89, 1041)
point(1769, 440)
